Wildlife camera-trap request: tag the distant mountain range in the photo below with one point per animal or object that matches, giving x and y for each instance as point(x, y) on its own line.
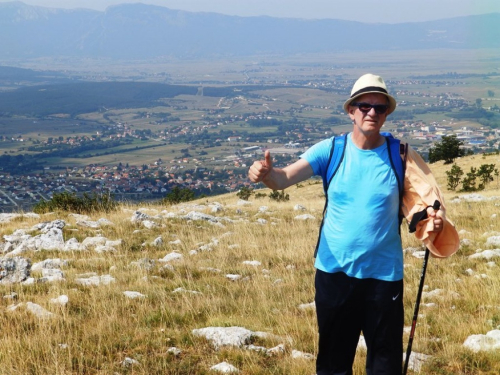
point(139, 31)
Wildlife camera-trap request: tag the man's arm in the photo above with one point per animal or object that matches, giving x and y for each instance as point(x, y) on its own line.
point(277, 178)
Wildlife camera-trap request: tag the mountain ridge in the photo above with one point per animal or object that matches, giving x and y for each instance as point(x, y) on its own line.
point(140, 31)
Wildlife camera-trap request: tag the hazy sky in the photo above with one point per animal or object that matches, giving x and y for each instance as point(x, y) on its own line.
point(385, 11)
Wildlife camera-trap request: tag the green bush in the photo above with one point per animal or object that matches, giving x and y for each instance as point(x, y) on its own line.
point(244, 193)
point(70, 202)
point(279, 196)
point(454, 176)
point(469, 182)
point(178, 195)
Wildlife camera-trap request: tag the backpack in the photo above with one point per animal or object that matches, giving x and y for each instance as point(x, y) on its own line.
point(398, 165)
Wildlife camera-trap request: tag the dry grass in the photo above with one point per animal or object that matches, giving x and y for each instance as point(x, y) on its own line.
point(100, 327)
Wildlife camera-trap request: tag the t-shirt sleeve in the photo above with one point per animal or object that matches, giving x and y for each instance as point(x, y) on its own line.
point(317, 156)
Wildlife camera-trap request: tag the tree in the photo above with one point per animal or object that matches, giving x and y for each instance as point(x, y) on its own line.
point(485, 175)
point(491, 93)
point(178, 195)
point(469, 182)
point(448, 150)
point(454, 176)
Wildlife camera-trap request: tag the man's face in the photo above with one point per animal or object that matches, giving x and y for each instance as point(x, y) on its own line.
point(370, 121)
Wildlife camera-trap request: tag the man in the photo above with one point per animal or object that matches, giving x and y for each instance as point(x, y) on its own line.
point(359, 261)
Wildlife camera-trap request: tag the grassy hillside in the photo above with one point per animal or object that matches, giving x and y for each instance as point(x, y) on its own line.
point(100, 327)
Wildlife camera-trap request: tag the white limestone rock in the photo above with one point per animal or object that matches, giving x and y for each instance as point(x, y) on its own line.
point(88, 224)
point(486, 254)
point(182, 290)
point(493, 241)
point(301, 355)
point(38, 311)
point(133, 295)
point(92, 242)
point(52, 239)
point(49, 264)
point(14, 270)
point(95, 280)
point(79, 217)
point(277, 350)
point(149, 224)
point(157, 242)
point(129, 362)
point(253, 263)
point(488, 342)
point(416, 361)
point(304, 217)
point(308, 306)
point(170, 257)
point(62, 300)
point(174, 351)
point(104, 249)
point(52, 275)
point(114, 243)
point(45, 227)
point(225, 336)
point(242, 202)
point(224, 368)
point(139, 216)
point(73, 245)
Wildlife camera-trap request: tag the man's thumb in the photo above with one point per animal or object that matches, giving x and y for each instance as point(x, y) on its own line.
point(268, 159)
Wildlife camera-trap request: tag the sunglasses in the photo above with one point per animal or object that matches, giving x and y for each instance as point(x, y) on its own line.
point(366, 107)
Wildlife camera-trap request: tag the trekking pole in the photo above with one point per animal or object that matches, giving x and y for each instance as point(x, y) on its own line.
point(416, 218)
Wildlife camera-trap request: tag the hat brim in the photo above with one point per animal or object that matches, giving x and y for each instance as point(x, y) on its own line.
point(444, 243)
point(392, 101)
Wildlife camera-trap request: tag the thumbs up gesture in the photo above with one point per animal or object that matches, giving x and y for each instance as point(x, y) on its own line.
point(261, 168)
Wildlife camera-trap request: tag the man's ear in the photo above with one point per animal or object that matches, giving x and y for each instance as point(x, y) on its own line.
point(351, 112)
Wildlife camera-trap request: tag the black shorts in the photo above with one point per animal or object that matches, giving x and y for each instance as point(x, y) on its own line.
point(345, 307)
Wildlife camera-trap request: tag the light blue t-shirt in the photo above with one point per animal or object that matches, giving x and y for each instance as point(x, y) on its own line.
point(360, 235)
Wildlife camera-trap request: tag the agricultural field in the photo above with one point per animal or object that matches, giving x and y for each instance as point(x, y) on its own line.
point(177, 117)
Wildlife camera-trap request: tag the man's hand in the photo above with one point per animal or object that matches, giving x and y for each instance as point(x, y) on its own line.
point(261, 168)
point(437, 218)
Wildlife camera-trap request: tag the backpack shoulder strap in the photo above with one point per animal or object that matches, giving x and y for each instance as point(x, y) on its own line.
point(398, 164)
point(336, 157)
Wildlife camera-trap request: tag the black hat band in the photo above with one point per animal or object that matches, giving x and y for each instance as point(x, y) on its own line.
point(370, 89)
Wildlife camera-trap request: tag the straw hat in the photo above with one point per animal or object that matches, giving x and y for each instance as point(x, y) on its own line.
point(370, 83)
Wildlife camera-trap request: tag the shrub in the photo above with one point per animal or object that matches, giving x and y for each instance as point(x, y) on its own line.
point(279, 196)
point(469, 182)
point(70, 202)
point(454, 176)
point(178, 195)
point(485, 174)
point(244, 193)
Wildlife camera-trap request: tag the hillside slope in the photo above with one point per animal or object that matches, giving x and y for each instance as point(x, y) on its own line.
point(134, 289)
